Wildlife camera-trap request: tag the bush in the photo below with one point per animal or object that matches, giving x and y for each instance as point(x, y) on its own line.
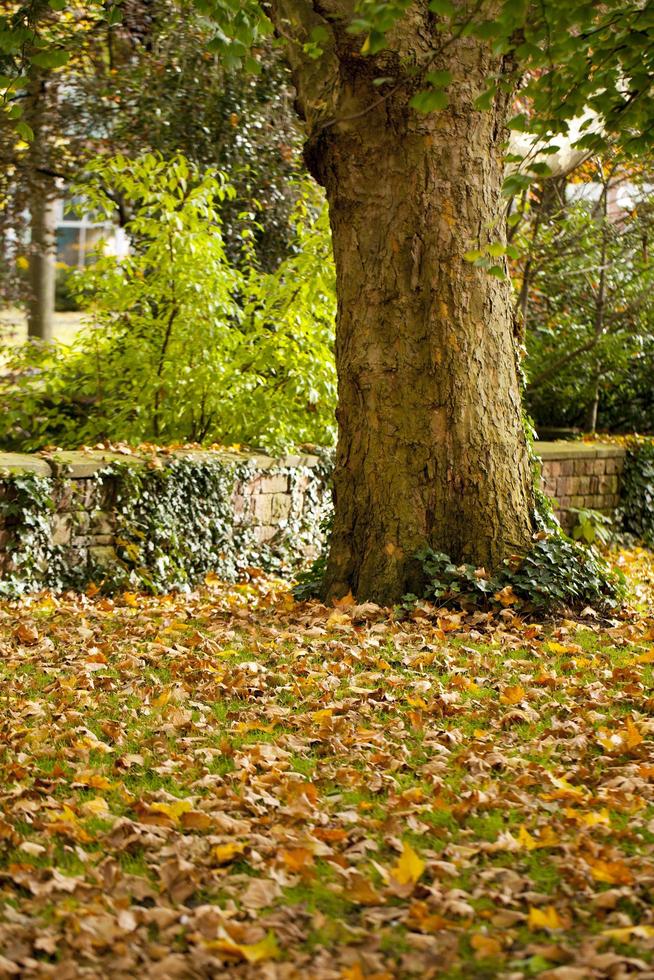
point(556, 574)
point(66, 301)
point(180, 344)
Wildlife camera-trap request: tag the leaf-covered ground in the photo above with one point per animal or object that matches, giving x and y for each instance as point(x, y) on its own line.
point(234, 785)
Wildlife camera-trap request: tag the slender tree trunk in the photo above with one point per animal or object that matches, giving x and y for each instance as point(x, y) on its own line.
point(431, 448)
point(43, 193)
point(40, 316)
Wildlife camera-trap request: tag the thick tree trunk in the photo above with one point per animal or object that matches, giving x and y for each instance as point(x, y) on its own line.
point(40, 315)
point(431, 448)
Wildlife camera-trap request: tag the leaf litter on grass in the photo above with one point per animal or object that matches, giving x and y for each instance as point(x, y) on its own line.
point(232, 784)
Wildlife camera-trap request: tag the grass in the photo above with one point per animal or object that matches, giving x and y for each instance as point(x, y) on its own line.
point(390, 807)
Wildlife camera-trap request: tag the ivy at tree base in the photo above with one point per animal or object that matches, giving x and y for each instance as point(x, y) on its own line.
point(555, 574)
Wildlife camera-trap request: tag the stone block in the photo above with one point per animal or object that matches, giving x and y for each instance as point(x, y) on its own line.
point(100, 523)
point(274, 483)
point(103, 555)
point(262, 509)
point(24, 463)
point(281, 506)
point(62, 529)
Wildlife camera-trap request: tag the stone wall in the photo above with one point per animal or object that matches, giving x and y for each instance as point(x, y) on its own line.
point(581, 475)
point(268, 515)
point(270, 512)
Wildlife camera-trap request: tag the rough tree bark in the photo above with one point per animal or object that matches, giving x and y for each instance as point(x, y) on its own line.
point(431, 448)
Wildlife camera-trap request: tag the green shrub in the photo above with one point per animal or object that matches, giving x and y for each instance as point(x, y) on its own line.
point(66, 300)
point(556, 574)
point(180, 344)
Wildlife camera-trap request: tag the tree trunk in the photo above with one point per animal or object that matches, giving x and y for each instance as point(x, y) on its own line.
point(431, 448)
point(42, 194)
point(40, 316)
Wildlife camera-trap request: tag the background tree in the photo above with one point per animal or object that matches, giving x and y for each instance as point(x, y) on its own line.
point(585, 296)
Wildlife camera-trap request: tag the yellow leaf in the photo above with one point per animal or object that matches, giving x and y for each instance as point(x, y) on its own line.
point(513, 695)
point(485, 947)
point(162, 699)
point(591, 819)
point(266, 949)
point(545, 918)
point(410, 866)
point(645, 658)
point(546, 838)
point(621, 739)
point(22, 263)
point(563, 790)
point(628, 932)
point(95, 807)
point(224, 853)
point(131, 599)
point(65, 816)
point(526, 840)
point(610, 872)
point(172, 810)
point(337, 619)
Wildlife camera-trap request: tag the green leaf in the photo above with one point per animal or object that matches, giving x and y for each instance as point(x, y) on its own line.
point(439, 79)
point(429, 101)
point(50, 59)
point(496, 249)
point(24, 131)
point(443, 7)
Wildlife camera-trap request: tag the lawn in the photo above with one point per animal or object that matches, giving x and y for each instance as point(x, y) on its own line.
point(13, 326)
point(233, 784)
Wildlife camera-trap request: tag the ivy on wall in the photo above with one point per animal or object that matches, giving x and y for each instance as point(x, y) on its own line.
point(172, 524)
point(637, 493)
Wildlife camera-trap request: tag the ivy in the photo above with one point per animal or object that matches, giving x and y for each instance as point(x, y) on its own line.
point(637, 495)
point(173, 523)
point(555, 574)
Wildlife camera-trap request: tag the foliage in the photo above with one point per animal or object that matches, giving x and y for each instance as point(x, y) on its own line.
point(172, 524)
point(182, 345)
point(556, 573)
point(591, 527)
point(585, 299)
point(176, 523)
point(26, 508)
point(65, 299)
point(637, 494)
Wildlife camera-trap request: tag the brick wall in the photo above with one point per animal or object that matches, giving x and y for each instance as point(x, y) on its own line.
point(581, 475)
point(270, 501)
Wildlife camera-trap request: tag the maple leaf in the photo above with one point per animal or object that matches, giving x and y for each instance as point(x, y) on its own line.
point(224, 853)
point(265, 949)
point(611, 872)
point(485, 947)
point(513, 695)
point(544, 918)
point(410, 866)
